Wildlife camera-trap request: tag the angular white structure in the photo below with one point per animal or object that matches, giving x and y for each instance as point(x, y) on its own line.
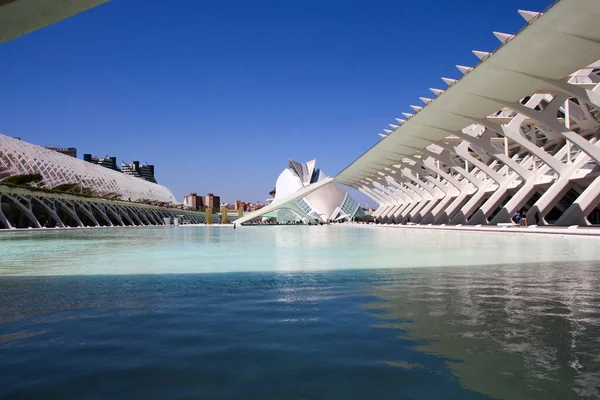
point(19, 17)
point(19, 157)
point(519, 131)
point(304, 193)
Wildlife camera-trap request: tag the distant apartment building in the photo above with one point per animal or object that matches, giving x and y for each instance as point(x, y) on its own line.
point(212, 201)
point(238, 205)
point(106, 162)
point(253, 207)
point(146, 172)
point(68, 151)
point(227, 206)
point(193, 201)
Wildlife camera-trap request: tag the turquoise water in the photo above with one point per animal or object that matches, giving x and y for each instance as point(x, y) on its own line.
point(298, 312)
point(273, 248)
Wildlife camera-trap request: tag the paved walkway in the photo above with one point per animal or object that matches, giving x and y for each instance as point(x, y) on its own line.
point(592, 231)
point(508, 228)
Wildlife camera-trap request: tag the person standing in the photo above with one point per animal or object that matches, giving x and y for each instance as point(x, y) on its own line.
point(524, 218)
point(517, 217)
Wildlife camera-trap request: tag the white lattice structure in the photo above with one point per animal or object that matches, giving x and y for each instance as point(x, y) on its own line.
point(519, 131)
point(20, 157)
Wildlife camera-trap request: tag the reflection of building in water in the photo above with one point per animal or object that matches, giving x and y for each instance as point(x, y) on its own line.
point(518, 331)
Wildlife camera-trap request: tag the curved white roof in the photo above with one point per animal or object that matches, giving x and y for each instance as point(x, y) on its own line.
point(19, 17)
point(20, 157)
point(543, 54)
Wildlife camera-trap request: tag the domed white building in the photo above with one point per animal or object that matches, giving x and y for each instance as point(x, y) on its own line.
point(328, 202)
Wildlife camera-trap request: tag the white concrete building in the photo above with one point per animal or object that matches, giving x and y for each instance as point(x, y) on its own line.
point(518, 131)
point(304, 193)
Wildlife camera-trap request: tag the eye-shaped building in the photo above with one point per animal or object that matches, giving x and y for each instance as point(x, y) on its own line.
point(328, 203)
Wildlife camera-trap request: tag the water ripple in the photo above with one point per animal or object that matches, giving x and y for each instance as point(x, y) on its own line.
point(509, 336)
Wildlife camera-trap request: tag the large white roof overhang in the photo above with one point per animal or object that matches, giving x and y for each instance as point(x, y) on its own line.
point(18, 17)
point(554, 45)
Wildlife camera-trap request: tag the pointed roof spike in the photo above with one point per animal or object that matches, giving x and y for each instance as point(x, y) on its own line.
point(481, 54)
point(437, 92)
point(393, 126)
point(407, 115)
point(529, 15)
point(425, 100)
point(463, 69)
point(382, 135)
point(400, 120)
point(387, 131)
point(449, 81)
point(503, 37)
point(416, 108)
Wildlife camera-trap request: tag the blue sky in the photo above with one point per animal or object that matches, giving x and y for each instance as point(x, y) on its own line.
point(220, 94)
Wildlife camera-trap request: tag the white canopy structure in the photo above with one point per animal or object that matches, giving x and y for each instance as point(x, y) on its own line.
point(518, 131)
point(19, 17)
point(304, 193)
point(19, 157)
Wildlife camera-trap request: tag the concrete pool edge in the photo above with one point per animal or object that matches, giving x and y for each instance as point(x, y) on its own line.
point(532, 229)
point(85, 228)
point(575, 231)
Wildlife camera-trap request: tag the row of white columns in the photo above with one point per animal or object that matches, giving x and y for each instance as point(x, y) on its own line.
point(466, 177)
point(95, 212)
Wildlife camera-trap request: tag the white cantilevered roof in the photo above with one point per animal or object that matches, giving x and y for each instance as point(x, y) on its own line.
point(552, 46)
point(18, 17)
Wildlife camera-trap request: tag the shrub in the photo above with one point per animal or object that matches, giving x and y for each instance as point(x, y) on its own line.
point(67, 187)
point(24, 179)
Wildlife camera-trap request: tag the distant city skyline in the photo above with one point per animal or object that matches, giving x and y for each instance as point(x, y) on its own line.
point(218, 96)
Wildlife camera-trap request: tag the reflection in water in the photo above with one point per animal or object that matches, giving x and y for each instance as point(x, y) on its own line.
point(516, 331)
point(511, 331)
point(226, 336)
point(512, 316)
point(48, 300)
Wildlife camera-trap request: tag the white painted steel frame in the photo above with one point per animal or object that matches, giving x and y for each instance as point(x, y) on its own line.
point(519, 130)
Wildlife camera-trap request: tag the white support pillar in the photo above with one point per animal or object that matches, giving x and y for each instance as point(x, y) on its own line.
point(3, 218)
point(587, 201)
point(25, 210)
point(70, 209)
point(560, 187)
point(50, 211)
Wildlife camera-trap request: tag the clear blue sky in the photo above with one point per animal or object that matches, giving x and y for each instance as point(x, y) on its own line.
point(220, 94)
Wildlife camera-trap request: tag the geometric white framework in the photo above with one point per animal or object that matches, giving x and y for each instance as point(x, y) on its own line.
point(20, 157)
point(519, 131)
